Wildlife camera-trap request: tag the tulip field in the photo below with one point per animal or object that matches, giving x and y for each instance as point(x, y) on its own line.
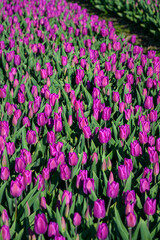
point(79, 127)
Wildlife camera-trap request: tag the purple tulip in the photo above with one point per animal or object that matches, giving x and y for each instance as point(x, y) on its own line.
point(15, 188)
point(136, 149)
point(65, 172)
point(68, 196)
point(27, 174)
point(99, 208)
point(144, 185)
point(40, 224)
point(5, 173)
point(41, 119)
point(112, 189)
point(131, 220)
point(106, 114)
point(73, 159)
point(102, 231)
point(158, 144)
point(115, 97)
point(148, 104)
point(26, 155)
point(77, 219)
point(143, 139)
point(20, 165)
point(88, 184)
point(5, 232)
point(31, 137)
point(129, 197)
point(17, 60)
point(10, 148)
point(64, 60)
point(123, 172)
point(53, 229)
point(150, 206)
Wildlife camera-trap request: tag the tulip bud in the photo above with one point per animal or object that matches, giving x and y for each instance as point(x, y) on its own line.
point(43, 202)
point(40, 224)
point(131, 220)
point(5, 232)
point(5, 173)
point(99, 208)
point(65, 172)
point(77, 219)
point(102, 231)
point(144, 185)
point(5, 217)
point(150, 206)
point(112, 189)
point(15, 189)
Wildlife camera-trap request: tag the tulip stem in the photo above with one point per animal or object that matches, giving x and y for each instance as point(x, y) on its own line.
point(130, 233)
point(104, 147)
point(88, 142)
point(148, 221)
point(108, 206)
point(155, 179)
point(15, 208)
point(76, 230)
point(66, 184)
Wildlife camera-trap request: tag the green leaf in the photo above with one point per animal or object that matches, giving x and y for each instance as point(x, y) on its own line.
point(136, 232)
point(19, 235)
point(2, 190)
point(145, 234)
point(128, 183)
point(122, 230)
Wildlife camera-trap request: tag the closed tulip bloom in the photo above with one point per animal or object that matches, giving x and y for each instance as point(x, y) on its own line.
point(128, 113)
point(47, 110)
point(146, 126)
point(156, 168)
point(65, 172)
point(158, 144)
point(147, 173)
point(115, 97)
point(27, 174)
point(40, 224)
point(103, 48)
point(26, 121)
point(129, 197)
point(51, 138)
point(136, 149)
point(52, 164)
point(73, 159)
point(143, 137)
point(123, 132)
point(148, 104)
point(123, 172)
point(17, 60)
point(68, 196)
point(87, 132)
point(88, 184)
point(10, 148)
point(41, 119)
point(108, 66)
point(128, 98)
point(64, 60)
point(41, 182)
point(81, 177)
point(43, 202)
point(5, 173)
point(20, 165)
point(15, 189)
point(5, 232)
point(106, 114)
point(121, 107)
point(44, 74)
point(59, 237)
point(21, 97)
point(84, 158)
point(45, 174)
point(144, 185)
point(151, 140)
point(150, 206)
point(53, 229)
point(102, 231)
point(94, 157)
point(131, 220)
point(153, 156)
point(26, 155)
point(77, 219)
point(99, 208)
point(153, 116)
point(58, 126)
point(128, 162)
point(112, 189)
point(31, 137)
point(129, 208)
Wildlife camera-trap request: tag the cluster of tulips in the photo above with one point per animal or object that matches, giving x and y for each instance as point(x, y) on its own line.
point(79, 127)
point(143, 12)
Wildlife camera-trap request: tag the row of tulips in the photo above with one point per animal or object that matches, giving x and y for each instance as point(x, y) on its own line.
point(143, 12)
point(79, 127)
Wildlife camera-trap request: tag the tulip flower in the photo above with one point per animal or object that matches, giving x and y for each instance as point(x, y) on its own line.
point(99, 208)
point(40, 224)
point(102, 231)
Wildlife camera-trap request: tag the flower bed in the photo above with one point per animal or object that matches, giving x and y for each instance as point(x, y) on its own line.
point(79, 127)
point(143, 12)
